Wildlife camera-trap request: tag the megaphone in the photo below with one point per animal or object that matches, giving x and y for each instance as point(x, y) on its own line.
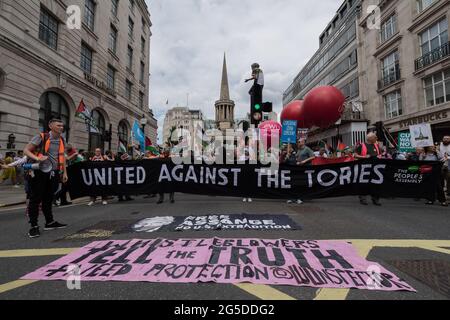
point(44, 166)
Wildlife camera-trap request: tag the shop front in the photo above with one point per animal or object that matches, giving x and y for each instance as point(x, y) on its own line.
point(438, 119)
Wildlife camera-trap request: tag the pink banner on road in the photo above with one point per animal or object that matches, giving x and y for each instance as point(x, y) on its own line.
point(320, 264)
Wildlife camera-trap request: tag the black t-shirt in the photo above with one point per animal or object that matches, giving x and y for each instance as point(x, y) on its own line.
point(371, 150)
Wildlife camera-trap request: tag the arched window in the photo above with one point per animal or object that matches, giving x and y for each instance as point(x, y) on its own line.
point(97, 133)
point(123, 132)
point(53, 105)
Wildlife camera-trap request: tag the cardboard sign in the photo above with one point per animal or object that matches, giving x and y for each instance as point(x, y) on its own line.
point(289, 132)
point(421, 136)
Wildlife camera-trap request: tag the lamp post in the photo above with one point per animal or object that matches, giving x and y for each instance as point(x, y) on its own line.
point(144, 122)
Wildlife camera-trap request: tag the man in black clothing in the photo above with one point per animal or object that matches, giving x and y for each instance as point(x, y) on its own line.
point(46, 147)
point(367, 150)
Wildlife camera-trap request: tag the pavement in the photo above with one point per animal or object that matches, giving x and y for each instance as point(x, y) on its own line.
point(11, 195)
point(406, 237)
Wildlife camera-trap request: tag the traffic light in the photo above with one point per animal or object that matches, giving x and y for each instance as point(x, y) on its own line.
point(256, 114)
point(267, 107)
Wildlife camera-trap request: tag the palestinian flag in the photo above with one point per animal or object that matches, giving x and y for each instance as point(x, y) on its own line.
point(82, 111)
point(149, 146)
point(122, 148)
point(341, 146)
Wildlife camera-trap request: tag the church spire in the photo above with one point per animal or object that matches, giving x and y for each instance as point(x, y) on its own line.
point(224, 89)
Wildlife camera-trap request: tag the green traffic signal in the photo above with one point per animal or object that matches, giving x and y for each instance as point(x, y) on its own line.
point(257, 107)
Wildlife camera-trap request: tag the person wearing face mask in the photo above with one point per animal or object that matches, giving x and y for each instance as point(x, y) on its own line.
point(444, 153)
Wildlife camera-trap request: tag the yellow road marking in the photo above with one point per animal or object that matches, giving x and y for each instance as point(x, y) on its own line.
point(264, 292)
point(363, 250)
point(36, 252)
point(15, 284)
point(365, 246)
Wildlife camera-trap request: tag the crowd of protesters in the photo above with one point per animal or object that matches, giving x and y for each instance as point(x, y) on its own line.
point(62, 156)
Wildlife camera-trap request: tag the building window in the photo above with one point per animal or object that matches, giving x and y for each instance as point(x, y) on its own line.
point(89, 13)
point(128, 90)
point(142, 73)
point(424, 4)
point(437, 88)
point(393, 104)
point(48, 29)
point(53, 105)
point(114, 7)
point(86, 58)
point(130, 58)
point(434, 37)
point(123, 132)
point(132, 5)
point(130, 28)
point(97, 133)
point(143, 45)
point(113, 39)
point(111, 78)
point(390, 69)
point(388, 28)
point(141, 100)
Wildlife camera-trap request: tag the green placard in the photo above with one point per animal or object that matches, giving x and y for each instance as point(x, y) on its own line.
point(404, 142)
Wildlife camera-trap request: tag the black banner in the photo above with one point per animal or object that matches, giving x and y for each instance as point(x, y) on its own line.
point(384, 178)
point(216, 222)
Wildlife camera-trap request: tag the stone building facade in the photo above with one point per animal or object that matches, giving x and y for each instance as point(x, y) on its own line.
point(335, 63)
point(184, 120)
point(47, 68)
point(406, 59)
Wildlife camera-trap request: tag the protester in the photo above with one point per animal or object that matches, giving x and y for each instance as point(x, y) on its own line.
point(290, 159)
point(46, 146)
point(416, 155)
point(305, 155)
point(98, 157)
point(9, 173)
point(19, 169)
point(124, 157)
point(367, 150)
point(109, 156)
point(322, 153)
point(166, 155)
point(444, 151)
point(72, 157)
point(431, 154)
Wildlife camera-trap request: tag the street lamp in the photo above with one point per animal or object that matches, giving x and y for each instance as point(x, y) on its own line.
point(144, 122)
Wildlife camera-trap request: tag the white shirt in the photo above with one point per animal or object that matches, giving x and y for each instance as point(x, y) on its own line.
point(444, 150)
point(260, 78)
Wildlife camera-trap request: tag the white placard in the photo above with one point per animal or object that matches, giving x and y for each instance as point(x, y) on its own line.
point(421, 135)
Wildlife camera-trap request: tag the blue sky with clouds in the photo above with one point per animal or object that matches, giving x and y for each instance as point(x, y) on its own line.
point(191, 36)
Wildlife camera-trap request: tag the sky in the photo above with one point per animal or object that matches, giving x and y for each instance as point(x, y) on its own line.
point(190, 37)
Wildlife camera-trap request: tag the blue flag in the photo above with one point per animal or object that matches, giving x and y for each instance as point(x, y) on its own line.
point(138, 135)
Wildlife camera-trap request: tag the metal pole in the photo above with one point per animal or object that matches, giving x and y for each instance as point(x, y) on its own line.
point(110, 137)
point(89, 136)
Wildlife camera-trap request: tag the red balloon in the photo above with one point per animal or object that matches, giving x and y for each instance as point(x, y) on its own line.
point(295, 111)
point(267, 129)
point(324, 106)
